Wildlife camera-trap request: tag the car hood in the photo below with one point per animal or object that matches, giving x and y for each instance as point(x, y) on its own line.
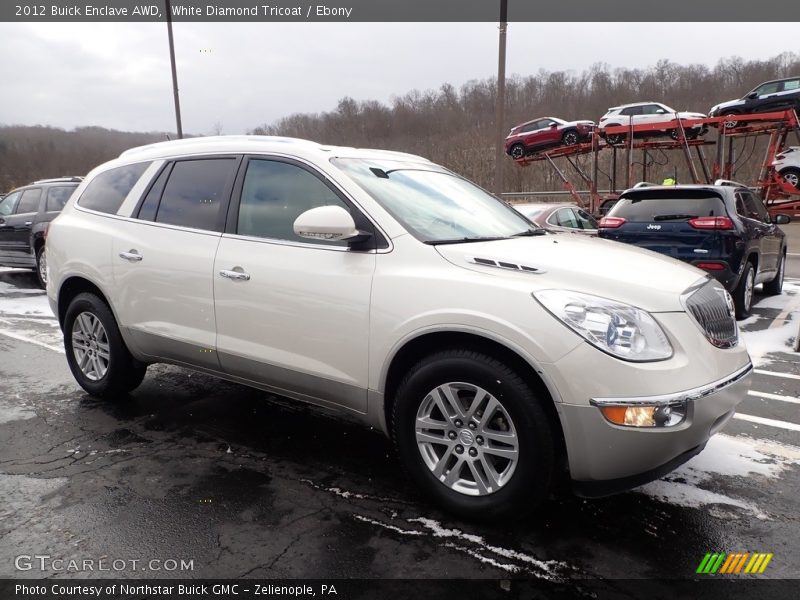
point(691, 115)
point(723, 105)
point(590, 265)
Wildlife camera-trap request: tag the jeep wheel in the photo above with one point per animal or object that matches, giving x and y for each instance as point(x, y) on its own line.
point(775, 287)
point(96, 353)
point(743, 294)
point(473, 435)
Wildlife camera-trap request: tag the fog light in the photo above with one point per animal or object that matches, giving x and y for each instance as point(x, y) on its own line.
point(645, 416)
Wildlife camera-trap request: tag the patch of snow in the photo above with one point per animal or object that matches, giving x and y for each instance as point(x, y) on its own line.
point(775, 339)
point(477, 548)
point(14, 412)
point(35, 305)
point(684, 494)
point(728, 456)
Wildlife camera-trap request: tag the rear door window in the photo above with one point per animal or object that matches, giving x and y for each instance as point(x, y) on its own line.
point(657, 207)
point(195, 191)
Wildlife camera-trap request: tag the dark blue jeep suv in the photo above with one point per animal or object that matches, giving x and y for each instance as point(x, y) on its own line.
point(723, 229)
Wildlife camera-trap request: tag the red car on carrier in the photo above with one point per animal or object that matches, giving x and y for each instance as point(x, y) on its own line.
point(547, 131)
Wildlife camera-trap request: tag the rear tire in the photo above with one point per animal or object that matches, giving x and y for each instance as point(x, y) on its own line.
point(775, 287)
point(743, 294)
point(41, 266)
point(792, 176)
point(730, 123)
point(96, 353)
point(473, 436)
point(570, 138)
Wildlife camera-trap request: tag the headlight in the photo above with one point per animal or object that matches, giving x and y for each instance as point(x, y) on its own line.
point(619, 329)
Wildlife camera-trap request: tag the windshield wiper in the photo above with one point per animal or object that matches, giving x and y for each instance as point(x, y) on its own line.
point(464, 240)
point(673, 217)
point(530, 232)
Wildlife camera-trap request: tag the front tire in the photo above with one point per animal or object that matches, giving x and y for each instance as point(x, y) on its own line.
point(96, 353)
point(473, 435)
point(775, 287)
point(517, 151)
point(743, 294)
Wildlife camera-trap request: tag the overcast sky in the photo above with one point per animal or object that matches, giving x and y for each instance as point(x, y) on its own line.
point(244, 75)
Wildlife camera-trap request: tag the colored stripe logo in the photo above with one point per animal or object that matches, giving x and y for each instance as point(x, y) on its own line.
point(734, 563)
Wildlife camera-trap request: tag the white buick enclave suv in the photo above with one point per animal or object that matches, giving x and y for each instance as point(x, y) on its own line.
point(496, 356)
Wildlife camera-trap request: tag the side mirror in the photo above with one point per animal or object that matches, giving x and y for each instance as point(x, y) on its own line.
point(752, 96)
point(661, 111)
point(330, 223)
point(553, 125)
point(782, 219)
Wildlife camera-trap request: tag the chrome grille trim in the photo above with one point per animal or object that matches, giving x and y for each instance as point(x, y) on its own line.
point(711, 308)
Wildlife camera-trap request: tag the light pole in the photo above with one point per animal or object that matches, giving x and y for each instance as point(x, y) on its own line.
point(500, 100)
point(174, 70)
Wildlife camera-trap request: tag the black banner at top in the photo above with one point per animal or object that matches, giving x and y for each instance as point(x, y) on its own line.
point(598, 11)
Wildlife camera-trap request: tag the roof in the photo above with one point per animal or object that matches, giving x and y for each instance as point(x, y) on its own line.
point(256, 144)
point(635, 104)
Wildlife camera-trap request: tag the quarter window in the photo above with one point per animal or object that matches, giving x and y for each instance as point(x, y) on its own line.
point(57, 197)
point(106, 192)
point(566, 218)
point(29, 202)
point(275, 194)
point(195, 192)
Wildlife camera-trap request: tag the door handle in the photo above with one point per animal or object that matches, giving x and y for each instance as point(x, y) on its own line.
point(236, 275)
point(28, 223)
point(132, 256)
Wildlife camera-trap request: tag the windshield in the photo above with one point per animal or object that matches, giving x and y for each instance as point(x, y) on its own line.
point(668, 206)
point(433, 204)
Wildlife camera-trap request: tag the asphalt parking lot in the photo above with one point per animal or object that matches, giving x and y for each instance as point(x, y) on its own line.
point(242, 484)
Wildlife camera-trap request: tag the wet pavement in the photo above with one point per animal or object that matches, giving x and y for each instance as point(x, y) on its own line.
point(237, 483)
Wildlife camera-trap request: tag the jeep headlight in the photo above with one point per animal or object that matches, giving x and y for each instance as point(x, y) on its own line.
point(619, 329)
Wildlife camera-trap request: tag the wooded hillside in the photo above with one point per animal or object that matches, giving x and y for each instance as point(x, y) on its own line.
point(451, 126)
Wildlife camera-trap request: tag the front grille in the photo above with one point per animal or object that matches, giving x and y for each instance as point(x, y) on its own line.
point(711, 307)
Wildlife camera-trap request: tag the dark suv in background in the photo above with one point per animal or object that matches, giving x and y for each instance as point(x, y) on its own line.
point(25, 214)
point(723, 229)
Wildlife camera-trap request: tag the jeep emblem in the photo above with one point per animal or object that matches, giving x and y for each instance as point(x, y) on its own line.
point(654, 226)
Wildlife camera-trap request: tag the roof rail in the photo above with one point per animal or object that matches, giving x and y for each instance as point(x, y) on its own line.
point(728, 182)
point(65, 179)
point(643, 184)
point(216, 139)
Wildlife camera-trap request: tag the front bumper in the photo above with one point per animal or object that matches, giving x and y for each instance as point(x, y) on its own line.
point(600, 451)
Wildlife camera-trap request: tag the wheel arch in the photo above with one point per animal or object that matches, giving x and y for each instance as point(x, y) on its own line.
point(71, 287)
point(427, 343)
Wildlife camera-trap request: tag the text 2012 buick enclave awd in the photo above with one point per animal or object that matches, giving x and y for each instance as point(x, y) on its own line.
point(496, 356)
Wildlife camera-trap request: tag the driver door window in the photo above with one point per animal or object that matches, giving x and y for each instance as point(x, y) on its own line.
point(274, 194)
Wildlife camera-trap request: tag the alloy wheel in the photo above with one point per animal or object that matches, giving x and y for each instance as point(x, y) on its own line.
point(748, 290)
point(467, 439)
point(90, 346)
point(43, 267)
